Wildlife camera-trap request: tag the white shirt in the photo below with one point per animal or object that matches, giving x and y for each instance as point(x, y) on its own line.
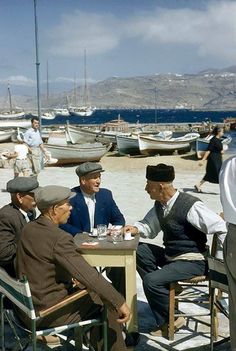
point(228, 189)
point(22, 151)
point(90, 202)
point(199, 215)
point(25, 215)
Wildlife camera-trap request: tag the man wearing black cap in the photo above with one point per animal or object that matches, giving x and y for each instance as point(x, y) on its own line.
point(185, 221)
point(49, 258)
point(91, 205)
point(14, 216)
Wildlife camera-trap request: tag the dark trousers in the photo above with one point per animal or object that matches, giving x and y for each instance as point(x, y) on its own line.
point(157, 274)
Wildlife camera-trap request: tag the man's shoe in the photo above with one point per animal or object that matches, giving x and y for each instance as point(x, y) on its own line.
point(50, 340)
point(162, 331)
point(132, 339)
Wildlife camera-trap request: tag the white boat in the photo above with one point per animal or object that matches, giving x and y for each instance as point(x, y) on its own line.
point(129, 144)
point(154, 145)
point(48, 115)
point(61, 112)
point(202, 144)
point(85, 110)
point(11, 113)
point(5, 135)
point(14, 123)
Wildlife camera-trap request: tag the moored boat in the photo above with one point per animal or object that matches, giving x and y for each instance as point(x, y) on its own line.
point(202, 144)
point(5, 135)
point(14, 123)
point(150, 145)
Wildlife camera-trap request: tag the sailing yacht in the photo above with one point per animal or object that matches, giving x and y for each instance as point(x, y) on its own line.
point(85, 110)
point(11, 113)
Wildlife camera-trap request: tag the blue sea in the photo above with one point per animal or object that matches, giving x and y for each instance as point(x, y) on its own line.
point(151, 116)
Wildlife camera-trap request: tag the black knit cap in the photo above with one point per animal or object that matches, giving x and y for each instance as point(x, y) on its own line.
point(160, 173)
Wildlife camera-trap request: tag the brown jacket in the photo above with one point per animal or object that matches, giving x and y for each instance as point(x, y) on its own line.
point(49, 258)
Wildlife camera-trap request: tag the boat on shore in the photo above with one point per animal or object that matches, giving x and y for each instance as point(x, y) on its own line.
point(5, 135)
point(14, 123)
point(150, 145)
point(202, 144)
point(129, 144)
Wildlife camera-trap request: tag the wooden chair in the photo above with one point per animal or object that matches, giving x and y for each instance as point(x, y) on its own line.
point(191, 294)
point(18, 292)
point(217, 280)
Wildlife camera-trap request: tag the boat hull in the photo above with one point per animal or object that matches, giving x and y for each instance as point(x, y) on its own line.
point(77, 153)
point(12, 115)
point(15, 123)
point(153, 146)
point(5, 135)
point(127, 145)
point(202, 145)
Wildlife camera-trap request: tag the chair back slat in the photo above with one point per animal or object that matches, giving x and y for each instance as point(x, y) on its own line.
point(217, 274)
point(18, 292)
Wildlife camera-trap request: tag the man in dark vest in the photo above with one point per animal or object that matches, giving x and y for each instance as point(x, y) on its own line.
point(14, 216)
point(185, 222)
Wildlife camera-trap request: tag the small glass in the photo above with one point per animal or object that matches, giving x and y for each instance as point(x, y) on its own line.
point(102, 231)
point(117, 235)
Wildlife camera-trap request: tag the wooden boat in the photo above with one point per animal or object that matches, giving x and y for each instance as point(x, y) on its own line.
point(14, 123)
point(150, 145)
point(129, 144)
point(61, 148)
point(48, 115)
point(61, 112)
point(5, 135)
point(202, 144)
point(77, 153)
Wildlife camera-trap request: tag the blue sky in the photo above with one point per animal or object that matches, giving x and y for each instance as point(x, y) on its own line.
point(123, 38)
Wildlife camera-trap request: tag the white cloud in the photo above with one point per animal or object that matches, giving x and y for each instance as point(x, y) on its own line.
point(95, 32)
point(18, 80)
point(210, 31)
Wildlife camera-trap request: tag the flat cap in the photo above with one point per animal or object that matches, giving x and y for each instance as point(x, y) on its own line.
point(51, 195)
point(160, 173)
point(23, 185)
point(88, 168)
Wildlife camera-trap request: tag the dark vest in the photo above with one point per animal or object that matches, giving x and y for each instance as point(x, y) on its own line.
point(179, 236)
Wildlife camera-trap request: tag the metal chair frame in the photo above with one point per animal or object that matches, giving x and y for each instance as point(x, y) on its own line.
point(18, 292)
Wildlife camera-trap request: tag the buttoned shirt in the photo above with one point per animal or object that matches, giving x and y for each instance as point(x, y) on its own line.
point(90, 202)
point(228, 189)
point(33, 138)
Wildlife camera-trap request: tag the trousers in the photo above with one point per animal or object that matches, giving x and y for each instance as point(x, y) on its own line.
point(229, 258)
point(157, 273)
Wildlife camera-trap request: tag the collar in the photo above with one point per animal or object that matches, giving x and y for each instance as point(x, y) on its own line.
point(25, 214)
point(88, 196)
point(171, 202)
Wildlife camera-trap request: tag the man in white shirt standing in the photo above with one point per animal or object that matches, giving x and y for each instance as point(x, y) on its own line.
point(185, 221)
point(228, 200)
point(34, 141)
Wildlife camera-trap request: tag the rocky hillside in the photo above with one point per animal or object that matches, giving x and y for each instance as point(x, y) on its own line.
point(207, 90)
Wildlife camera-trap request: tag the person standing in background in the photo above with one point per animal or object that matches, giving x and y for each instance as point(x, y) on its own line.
point(34, 141)
point(213, 155)
point(228, 200)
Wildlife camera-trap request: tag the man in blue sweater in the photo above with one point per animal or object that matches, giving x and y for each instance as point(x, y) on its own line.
point(92, 205)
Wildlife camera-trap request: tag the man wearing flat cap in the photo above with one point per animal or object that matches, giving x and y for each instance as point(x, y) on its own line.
point(92, 205)
point(47, 255)
point(14, 216)
point(185, 221)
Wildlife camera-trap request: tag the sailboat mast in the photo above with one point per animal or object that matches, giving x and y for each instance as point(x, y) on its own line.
point(9, 96)
point(37, 60)
point(47, 86)
point(85, 80)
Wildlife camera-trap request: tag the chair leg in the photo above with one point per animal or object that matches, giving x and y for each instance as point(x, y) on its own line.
point(171, 329)
point(213, 312)
point(78, 333)
point(2, 324)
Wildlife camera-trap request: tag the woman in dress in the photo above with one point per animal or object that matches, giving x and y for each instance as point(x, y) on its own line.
point(213, 155)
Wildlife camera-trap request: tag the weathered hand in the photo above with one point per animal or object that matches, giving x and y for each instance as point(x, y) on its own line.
point(124, 313)
point(130, 228)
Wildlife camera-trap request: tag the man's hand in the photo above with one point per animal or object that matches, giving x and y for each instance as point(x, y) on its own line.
point(130, 228)
point(124, 313)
